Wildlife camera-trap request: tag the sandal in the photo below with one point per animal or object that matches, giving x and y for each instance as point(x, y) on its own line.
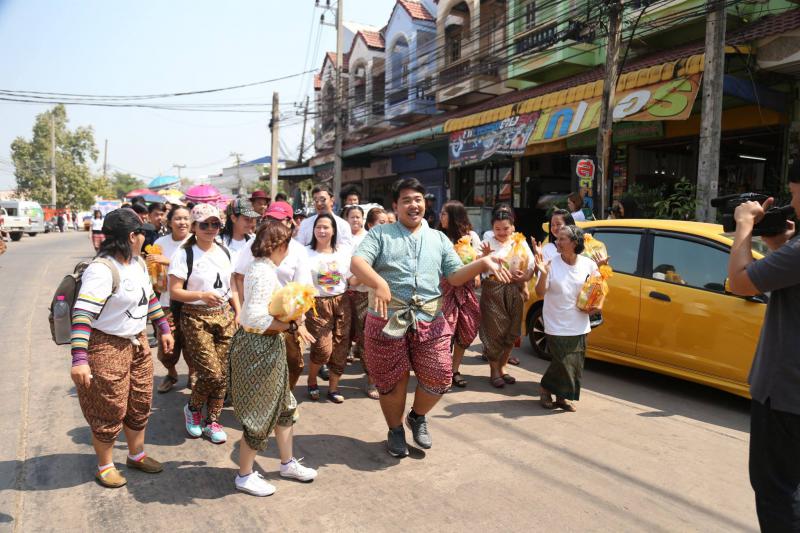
point(513, 361)
point(545, 400)
point(565, 405)
point(497, 382)
point(335, 397)
point(372, 392)
point(508, 378)
point(459, 381)
point(167, 383)
point(313, 393)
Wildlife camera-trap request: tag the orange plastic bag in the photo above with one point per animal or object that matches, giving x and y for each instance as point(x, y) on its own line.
point(292, 301)
point(595, 289)
point(157, 271)
point(465, 250)
point(517, 257)
point(592, 246)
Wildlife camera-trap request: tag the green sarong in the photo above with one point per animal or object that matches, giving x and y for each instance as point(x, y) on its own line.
point(563, 376)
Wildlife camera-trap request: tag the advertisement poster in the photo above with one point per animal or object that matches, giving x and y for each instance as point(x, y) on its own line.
point(505, 137)
point(584, 169)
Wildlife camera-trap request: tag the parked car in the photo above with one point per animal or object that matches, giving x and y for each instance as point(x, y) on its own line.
point(667, 308)
point(12, 224)
point(29, 212)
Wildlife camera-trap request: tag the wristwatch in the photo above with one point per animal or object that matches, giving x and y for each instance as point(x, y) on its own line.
point(292, 326)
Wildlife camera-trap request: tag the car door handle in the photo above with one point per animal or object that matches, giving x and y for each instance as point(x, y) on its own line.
point(660, 296)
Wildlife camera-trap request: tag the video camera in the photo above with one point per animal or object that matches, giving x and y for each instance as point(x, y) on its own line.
point(773, 223)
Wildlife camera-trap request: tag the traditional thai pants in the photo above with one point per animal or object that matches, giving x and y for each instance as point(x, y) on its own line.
point(294, 357)
point(462, 311)
point(207, 334)
point(122, 385)
point(359, 302)
point(501, 317)
point(330, 328)
point(563, 376)
point(260, 385)
point(97, 239)
point(426, 350)
point(169, 360)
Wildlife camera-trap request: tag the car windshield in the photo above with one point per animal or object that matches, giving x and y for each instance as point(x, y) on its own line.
point(758, 244)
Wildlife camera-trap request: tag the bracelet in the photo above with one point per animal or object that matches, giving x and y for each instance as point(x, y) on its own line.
point(292, 326)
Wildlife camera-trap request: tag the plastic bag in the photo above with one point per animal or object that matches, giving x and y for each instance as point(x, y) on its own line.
point(465, 250)
point(592, 246)
point(517, 257)
point(595, 289)
point(157, 271)
point(292, 301)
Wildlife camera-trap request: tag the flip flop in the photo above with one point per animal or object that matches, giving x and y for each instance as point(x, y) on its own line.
point(513, 361)
point(508, 378)
point(497, 382)
point(167, 383)
point(459, 381)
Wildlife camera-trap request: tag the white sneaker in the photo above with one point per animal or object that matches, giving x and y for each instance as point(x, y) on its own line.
point(295, 470)
point(254, 484)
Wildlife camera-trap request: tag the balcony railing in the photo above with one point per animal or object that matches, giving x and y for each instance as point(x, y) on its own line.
point(455, 73)
point(488, 66)
point(377, 108)
point(536, 40)
point(397, 96)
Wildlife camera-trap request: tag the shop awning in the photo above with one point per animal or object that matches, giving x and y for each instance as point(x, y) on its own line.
point(684, 67)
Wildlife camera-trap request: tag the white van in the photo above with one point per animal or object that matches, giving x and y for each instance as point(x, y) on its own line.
point(26, 208)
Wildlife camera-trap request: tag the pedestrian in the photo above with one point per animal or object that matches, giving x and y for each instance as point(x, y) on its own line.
point(260, 389)
point(62, 222)
point(375, 217)
point(391, 217)
point(502, 302)
point(260, 201)
point(240, 224)
point(459, 304)
point(96, 233)
point(559, 219)
point(141, 211)
point(350, 197)
point(111, 364)
point(403, 264)
point(775, 374)
point(575, 206)
point(157, 214)
point(179, 220)
point(323, 203)
point(430, 210)
point(299, 217)
point(200, 278)
point(357, 296)
point(565, 326)
point(329, 321)
point(293, 268)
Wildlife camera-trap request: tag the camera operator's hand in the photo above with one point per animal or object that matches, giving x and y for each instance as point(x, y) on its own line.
point(774, 242)
point(750, 213)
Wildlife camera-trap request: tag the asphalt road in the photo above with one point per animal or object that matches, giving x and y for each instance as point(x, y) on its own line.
point(643, 452)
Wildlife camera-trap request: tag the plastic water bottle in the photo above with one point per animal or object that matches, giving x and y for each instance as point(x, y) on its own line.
point(62, 321)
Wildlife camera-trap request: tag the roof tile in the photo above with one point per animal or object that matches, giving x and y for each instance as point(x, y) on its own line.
point(416, 10)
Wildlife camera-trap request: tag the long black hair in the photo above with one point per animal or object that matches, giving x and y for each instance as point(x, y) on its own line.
point(226, 235)
point(568, 221)
point(458, 224)
point(333, 237)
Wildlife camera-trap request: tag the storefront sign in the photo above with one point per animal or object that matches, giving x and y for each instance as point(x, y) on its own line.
point(506, 137)
point(624, 132)
point(583, 173)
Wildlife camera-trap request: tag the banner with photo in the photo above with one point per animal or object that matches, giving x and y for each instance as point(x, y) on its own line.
point(505, 137)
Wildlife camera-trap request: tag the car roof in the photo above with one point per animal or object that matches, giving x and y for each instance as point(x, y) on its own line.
point(700, 229)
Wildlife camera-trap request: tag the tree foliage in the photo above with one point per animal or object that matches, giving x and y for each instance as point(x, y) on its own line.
point(681, 204)
point(123, 183)
point(76, 187)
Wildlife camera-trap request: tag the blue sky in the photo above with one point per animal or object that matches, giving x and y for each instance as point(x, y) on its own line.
point(148, 46)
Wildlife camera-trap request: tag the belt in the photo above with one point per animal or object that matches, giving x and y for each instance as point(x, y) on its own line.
point(405, 313)
point(258, 331)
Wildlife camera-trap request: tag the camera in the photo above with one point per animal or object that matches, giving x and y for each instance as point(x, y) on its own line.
point(773, 223)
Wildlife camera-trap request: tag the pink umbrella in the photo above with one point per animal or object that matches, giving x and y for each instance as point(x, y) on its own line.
point(203, 193)
point(138, 192)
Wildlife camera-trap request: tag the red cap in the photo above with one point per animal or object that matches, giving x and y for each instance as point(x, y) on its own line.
point(279, 211)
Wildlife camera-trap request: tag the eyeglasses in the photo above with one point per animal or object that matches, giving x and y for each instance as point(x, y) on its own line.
point(209, 225)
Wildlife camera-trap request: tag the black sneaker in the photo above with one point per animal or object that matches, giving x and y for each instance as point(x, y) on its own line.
point(419, 429)
point(324, 374)
point(396, 442)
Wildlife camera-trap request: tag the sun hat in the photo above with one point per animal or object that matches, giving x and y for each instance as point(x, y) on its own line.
point(259, 195)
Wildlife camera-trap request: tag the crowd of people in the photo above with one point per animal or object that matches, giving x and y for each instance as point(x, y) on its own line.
point(390, 290)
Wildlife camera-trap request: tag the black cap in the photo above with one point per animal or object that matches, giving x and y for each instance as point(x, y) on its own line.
point(123, 221)
point(300, 212)
point(794, 171)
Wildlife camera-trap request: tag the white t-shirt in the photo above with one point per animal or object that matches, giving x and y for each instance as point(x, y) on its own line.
point(561, 314)
point(502, 250)
point(97, 224)
point(168, 247)
point(329, 271)
point(260, 282)
point(125, 312)
point(236, 247)
point(294, 266)
point(344, 235)
point(211, 271)
point(578, 216)
point(549, 251)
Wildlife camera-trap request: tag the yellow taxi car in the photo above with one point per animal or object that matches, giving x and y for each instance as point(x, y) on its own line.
point(667, 309)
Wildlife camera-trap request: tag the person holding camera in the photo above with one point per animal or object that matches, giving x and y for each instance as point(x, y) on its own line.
point(775, 374)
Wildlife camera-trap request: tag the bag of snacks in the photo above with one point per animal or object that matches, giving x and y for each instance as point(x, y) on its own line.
point(517, 258)
point(592, 246)
point(594, 290)
point(465, 250)
point(292, 301)
point(157, 271)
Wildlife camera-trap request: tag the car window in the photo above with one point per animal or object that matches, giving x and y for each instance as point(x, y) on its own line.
point(623, 249)
point(689, 263)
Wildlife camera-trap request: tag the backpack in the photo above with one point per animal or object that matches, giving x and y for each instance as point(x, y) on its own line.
point(70, 287)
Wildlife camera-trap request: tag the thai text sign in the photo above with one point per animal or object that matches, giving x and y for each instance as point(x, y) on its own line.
point(506, 137)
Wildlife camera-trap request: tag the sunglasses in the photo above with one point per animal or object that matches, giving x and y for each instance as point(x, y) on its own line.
point(209, 225)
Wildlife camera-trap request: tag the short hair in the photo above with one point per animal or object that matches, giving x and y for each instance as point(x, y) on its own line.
point(372, 216)
point(139, 209)
point(405, 184)
point(568, 221)
point(333, 225)
point(576, 236)
point(280, 197)
point(156, 207)
point(576, 198)
point(351, 190)
point(322, 187)
point(270, 236)
point(351, 208)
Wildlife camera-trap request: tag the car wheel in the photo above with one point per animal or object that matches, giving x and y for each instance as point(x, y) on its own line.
point(32, 234)
point(536, 334)
point(15, 236)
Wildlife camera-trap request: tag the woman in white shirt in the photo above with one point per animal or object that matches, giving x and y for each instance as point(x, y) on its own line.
point(330, 326)
point(200, 277)
point(560, 282)
point(575, 205)
point(179, 222)
point(111, 363)
point(460, 304)
point(240, 223)
point(97, 230)
point(262, 399)
point(559, 219)
point(501, 303)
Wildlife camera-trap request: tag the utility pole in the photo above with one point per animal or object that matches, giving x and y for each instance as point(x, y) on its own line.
point(178, 168)
point(711, 118)
point(340, 107)
point(53, 158)
point(274, 127)
point(238, 174)
point(606, 125)
point(105, 161)
point(303, 136)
